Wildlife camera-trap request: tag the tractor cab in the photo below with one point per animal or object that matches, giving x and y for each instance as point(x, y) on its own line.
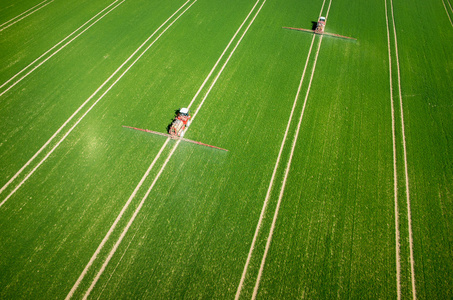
point(183, 115)
point(184, 112)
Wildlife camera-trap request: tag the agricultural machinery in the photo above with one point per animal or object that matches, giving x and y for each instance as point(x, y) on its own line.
point(177, 128)
point(320, 26)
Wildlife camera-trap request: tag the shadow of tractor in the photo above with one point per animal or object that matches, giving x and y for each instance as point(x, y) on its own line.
point(313, 25)
point(171, 122)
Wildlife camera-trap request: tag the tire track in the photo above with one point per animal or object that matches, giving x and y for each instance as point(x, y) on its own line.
point(406, 173)
point(39, 63)
point(271, 184)
point(272, 181)
point(446, 10)
point(288, 166)
point(89, 109)
point(33, 10)
point(112, 228)
point(395, 174)
point(137, 210)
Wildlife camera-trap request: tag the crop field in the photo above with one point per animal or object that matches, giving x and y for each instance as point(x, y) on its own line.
point(337, 182)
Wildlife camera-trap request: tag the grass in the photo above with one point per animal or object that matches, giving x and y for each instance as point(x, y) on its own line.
point(335, 235)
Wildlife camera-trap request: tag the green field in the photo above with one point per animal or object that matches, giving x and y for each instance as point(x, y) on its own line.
point(301, 206)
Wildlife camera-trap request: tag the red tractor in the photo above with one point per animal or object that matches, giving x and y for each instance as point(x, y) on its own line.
point(177, 128)
point(320, 25)
point(179, 124)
